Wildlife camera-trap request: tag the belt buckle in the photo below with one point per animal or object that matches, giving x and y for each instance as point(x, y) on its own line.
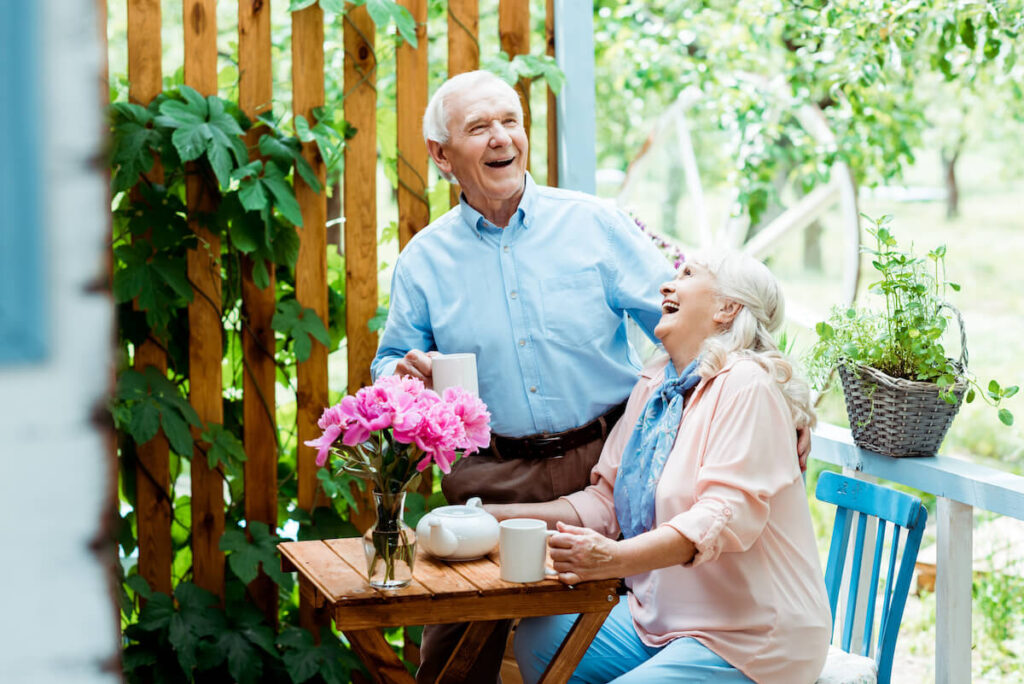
point(546, 443)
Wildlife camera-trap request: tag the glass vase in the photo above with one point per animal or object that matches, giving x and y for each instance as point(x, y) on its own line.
point(390, 544)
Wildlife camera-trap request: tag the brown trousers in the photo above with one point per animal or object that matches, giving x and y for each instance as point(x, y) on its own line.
point(498, 481)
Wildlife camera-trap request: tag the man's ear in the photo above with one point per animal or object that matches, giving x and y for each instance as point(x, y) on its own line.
point(439, 155)
point(727, 310)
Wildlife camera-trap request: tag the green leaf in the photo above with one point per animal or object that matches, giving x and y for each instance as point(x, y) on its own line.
point(301, 656)
point(301, 325)
point(970, 395)
point(1005, 417)
point(296, 5)
point(244, 662)
point(145, 421)
point(224, 447)
point(253, 197)
point(994, 389)
point(246, 557)
point(382, 11)
point(379, 319)
point(284, 198)
point(1009, 391)
point(157, 612)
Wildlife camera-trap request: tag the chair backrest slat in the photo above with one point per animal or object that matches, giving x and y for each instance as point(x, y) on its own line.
point(854, 583)
point(869, 621)
point(887, 506)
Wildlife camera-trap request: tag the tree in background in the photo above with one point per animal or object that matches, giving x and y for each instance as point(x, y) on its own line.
point(875, 68)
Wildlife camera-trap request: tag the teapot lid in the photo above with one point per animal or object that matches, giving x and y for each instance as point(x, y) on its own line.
point(459, 511)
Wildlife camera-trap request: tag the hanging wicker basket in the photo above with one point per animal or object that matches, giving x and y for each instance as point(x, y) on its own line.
point(899, 417)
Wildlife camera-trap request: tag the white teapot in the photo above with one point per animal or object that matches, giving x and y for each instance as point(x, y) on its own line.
point(458, 532)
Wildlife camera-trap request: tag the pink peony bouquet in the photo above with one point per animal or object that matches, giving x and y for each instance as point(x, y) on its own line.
point(389, 432)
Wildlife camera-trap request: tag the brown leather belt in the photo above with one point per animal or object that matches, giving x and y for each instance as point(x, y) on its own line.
point(553, 445)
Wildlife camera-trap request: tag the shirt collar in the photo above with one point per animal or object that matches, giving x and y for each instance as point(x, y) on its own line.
point(475, 220)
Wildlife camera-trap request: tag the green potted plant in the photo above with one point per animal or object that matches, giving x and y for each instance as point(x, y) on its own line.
point(901, 388)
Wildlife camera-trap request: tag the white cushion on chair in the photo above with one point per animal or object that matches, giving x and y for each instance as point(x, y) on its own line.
point(847, 668)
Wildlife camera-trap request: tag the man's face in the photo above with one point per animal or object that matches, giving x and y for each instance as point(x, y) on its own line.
point(487, 145)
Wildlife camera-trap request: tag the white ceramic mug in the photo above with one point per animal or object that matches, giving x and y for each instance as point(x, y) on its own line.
point(522, 549)
point(455, 370)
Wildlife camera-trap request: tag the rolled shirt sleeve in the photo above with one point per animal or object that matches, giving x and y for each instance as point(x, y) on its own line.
point(750, 457)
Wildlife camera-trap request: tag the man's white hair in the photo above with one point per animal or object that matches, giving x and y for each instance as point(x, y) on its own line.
point(435, 118)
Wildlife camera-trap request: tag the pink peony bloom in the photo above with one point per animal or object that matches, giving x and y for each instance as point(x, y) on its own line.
point(323, 443)
point(441, 432)
point(474, 416)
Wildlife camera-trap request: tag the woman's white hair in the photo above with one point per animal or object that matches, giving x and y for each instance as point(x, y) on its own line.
point(748, 282)
point(435, 118)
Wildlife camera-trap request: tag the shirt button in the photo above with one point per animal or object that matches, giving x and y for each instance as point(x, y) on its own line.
point(505, 249)
point(522, 343)
point(513, 294)
point(533, 388)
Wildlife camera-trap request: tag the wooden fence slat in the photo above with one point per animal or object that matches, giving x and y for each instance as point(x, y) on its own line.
point(259, 431)
point(311, 267)
point(153, 505)
point(360, 210)
point(463, 48)
point(514, 29)
point(360, 195)
point(413, 160)
point(552, 114)
point(411, 100)
point(205, 329)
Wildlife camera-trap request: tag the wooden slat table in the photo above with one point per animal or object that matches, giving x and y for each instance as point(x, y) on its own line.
point(332, 575)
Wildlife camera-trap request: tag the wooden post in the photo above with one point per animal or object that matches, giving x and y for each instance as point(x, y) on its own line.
point(153, 503)
point(574, 49)
point(463, 49)
point(411, 100)
point(255, 90)
point(311, 267)
point(953, 579)
point(514, 29)
point(361, 208)
point(204, 346)
point(552, 113)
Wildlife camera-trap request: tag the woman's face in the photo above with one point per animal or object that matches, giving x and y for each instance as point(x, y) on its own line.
point(688, 310)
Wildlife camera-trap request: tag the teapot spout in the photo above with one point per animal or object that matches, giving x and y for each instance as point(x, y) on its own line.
point(442, 541)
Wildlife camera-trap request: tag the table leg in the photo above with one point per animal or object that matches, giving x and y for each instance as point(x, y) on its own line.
point(576, 642)
point(377, 655)
point(460, 662)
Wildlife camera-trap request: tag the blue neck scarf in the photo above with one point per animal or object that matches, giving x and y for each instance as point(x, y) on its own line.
point(648, 449)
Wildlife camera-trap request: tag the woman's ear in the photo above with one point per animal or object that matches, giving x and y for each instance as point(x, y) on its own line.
point(727, 311)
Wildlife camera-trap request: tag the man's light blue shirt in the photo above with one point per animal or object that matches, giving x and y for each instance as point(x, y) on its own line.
point(541, 303)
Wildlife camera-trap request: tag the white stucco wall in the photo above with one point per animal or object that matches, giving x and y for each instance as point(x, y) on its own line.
point(57, 618)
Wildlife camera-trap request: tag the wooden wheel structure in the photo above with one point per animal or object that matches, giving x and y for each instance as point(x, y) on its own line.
point(811, 239)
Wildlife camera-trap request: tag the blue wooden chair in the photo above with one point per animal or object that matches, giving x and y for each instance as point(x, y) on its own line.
point(856, 498)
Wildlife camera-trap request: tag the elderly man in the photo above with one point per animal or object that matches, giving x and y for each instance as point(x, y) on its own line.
point(535, 281)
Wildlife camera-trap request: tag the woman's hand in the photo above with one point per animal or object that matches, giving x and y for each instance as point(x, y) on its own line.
point(581, 554)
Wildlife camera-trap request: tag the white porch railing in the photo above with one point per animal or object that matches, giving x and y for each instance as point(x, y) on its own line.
point(960, 487)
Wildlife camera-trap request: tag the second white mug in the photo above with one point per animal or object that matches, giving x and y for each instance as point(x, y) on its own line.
point(455, 370)
point(522, 549)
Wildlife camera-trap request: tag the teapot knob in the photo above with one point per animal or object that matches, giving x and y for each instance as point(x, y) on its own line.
point(475, 502)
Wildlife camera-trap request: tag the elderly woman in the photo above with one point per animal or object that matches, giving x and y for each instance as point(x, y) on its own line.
point(699, 478)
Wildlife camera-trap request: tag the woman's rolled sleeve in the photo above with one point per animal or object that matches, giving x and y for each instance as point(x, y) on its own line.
point(750, 457)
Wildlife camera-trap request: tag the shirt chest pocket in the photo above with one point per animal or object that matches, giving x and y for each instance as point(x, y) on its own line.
point(575, 309)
